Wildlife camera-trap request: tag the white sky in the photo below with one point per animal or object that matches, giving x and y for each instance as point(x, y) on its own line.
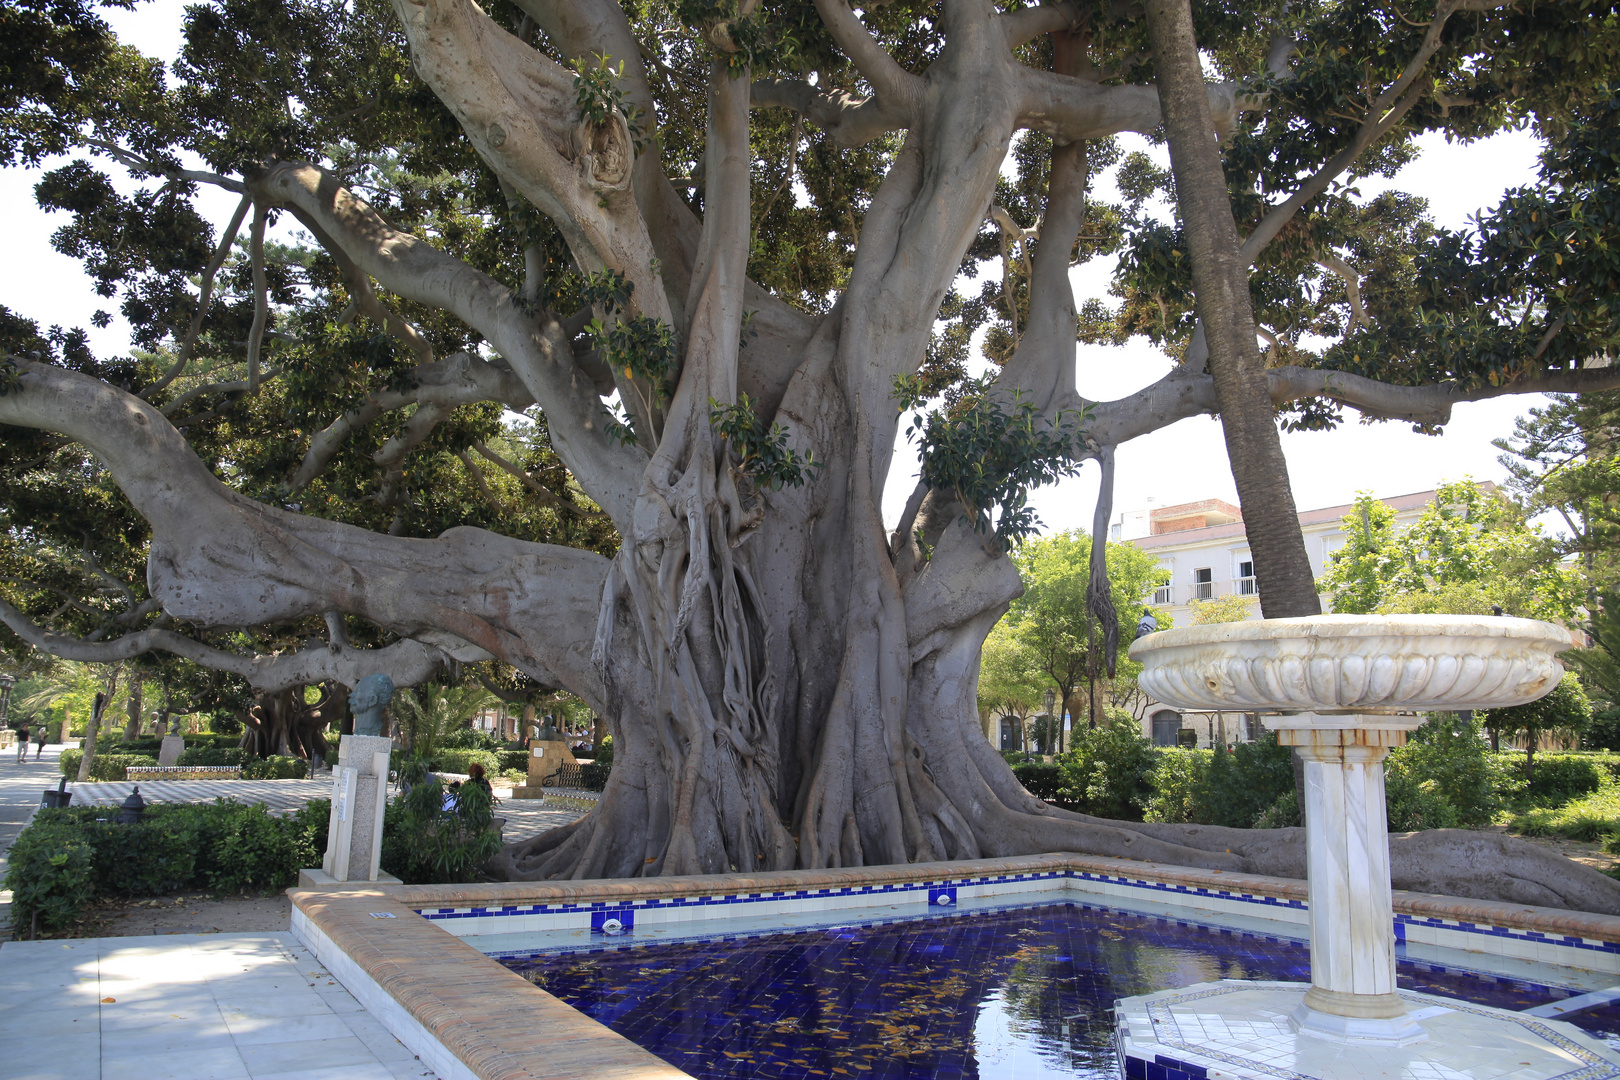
point(1177, 464)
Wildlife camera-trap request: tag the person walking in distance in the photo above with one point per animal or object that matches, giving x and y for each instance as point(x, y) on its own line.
point(21, 728)
point(41, 729)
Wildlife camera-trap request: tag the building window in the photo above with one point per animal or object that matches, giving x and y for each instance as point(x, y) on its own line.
point(1245, 579)
point(1203, 583)
point(1161, 596)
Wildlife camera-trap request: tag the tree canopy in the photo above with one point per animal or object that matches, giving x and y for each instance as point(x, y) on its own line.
point(1471, 550)
point(711, 254)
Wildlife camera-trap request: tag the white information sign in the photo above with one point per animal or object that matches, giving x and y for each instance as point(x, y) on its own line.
point(343, 791)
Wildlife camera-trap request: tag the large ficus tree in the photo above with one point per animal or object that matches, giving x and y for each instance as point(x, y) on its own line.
point(718, 252)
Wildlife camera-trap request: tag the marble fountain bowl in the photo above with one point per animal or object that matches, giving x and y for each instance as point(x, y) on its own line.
point(1375, 664)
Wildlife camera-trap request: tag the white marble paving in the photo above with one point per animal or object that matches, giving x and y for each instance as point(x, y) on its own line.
point(187, 1007)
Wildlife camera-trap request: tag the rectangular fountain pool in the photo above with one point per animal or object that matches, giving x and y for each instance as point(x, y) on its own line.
point(1009, 987)
point(1003, 967)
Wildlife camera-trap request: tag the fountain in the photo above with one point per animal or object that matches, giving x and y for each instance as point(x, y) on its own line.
point(1344, 690)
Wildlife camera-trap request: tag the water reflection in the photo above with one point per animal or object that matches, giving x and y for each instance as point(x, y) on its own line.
point(1012, 995)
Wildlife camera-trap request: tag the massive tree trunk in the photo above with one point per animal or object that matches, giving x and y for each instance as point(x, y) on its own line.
point(787, 684)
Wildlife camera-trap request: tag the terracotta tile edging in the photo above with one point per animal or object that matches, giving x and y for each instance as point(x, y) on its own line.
point(470, 1017)
point(466, 1015)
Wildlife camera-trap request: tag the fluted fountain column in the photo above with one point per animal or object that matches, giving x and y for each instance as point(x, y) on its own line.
point(1352, 994)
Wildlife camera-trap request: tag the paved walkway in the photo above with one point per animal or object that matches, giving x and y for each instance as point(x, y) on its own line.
point(275, 794)
point(186, 1007)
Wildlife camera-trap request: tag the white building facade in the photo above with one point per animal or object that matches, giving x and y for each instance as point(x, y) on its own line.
point(1203, 547)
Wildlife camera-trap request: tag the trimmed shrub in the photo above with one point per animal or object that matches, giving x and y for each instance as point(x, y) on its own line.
point(104, 766)
point(225, 846)
point(276, 767)
point(514, 761)
point(51, 874)
point(456, 761)
point(1558, 778)
point(217, 755)
point(594, 777)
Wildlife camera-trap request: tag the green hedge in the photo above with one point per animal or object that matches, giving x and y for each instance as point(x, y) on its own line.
point(108, 766)
point(104, 767)
point(1559, 777)
point(66, 857)
point(456, 761)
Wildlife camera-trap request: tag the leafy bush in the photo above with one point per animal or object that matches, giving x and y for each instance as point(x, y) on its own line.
point(425, 843)
point(1120, 764)
point(1595, 816)
point(470, 738)
point(513, 761)
point(1282, 814)
point(312, 820)
point(225, 846)
point(456, 761)
point(1176, 781)
point(51, 874)
point(276, 767)
point(1241, 785)
point(1450, 754)
point(1558, 778)
point(1603, 733)
point(1411, 804)
point(104, 766)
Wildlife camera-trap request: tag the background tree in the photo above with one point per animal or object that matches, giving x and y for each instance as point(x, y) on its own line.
point(1565, 459)
point(1219, 609)
point(1054, 626)
point(1564, 712)
point(1469, 551)
point(706, 251)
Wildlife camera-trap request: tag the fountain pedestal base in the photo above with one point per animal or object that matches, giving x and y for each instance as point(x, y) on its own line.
point(1240, 1030)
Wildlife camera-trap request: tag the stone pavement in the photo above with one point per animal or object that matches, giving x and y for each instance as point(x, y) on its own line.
point(186, 1007)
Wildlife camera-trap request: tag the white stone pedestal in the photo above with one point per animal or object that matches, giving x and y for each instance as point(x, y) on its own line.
point(171, 749)
point(1233, 1030)
point(359, 796)
point(1352, 997)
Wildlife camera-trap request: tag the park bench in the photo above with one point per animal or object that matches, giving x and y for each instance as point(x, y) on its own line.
point(183, 772)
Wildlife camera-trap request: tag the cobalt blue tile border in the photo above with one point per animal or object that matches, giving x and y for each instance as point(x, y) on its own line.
point(929, 892)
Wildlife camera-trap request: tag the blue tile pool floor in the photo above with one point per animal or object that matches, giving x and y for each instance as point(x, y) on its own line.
point(1023, 994)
